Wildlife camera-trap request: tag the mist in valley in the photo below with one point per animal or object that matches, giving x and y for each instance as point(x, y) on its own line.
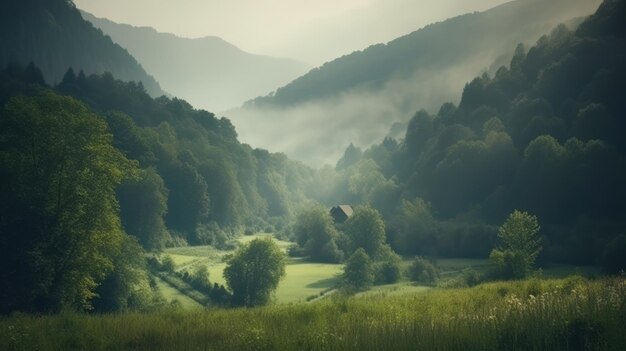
point(316, 130)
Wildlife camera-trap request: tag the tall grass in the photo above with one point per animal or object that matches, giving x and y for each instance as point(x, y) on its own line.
point(566, 314)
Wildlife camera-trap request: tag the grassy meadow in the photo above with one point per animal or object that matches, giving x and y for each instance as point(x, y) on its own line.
point(303, 280)
point(536, 314)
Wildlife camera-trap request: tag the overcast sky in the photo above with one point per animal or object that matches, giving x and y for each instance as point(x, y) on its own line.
point(312, 31)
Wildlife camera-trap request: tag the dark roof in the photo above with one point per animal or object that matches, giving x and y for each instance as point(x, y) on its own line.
point(347, 209)
point(341, 213)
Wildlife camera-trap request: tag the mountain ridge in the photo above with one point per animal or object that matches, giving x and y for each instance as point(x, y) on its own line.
point(360, 96)
point(209, 71)
point(54, 36)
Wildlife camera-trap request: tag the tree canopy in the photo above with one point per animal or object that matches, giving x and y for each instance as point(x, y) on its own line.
point(254, 271)
point(59, 218)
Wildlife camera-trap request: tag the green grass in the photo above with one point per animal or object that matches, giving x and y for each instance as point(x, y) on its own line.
point(389, 290)
point(305, 279)
point(284, 245)
point(302, 280)
point(565, 314)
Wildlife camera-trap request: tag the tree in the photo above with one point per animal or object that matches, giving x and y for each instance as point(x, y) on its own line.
point(316, 234)
point(366, 230)
point(423, 271)
point(388, 269)
point(357, 273)
point(60, 231)
point(188, 200)
point(143, 205)
point(521, 245)
point(254, 272)
point(351, 156)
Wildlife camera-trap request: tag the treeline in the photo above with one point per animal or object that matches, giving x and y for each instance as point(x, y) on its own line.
point(94, 159)
point(53, 35)
point(544, 135)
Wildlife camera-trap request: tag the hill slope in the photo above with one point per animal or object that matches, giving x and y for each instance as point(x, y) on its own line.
point(208, 72)
point(358, 97)
point(53, 35)
point(543, 135)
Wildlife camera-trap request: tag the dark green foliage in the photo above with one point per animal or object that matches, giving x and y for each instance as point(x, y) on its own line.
point(543, 134)
point(254, 271)
point(54, 36)
point(522, 245)
point(60, 232)
point(613, 259)
point(388, 270)
point(358, 273)
point(215, 184)
point(167, 264)
point(366, 230)
point(188, 201)
point(422, 271)
point(127, 287)
point(317, 236)
point(143, 205)
point(509, 264)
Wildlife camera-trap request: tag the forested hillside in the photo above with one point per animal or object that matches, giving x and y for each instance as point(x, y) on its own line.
point(80, 172)
point(359, 97)
point(208, 72)
point(53, 35)
point(544, 134)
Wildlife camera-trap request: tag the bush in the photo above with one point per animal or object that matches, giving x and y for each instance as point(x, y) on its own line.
point(423, 271)
point(387, 272)
point(509, 264)
point(296, 251)
point(471, 277)
point(167, 264)
point(357, 273)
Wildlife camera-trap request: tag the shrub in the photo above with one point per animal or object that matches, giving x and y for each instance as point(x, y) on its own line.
point(357, 273)
point(471, 277)
point(388, 269)
point(167, 264)
point(387, 272)
point(423, 271)
point(509, 264)
point(296, 251)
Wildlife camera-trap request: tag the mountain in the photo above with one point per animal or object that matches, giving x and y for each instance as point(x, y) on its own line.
point(53, 35)
point(208, 72)
point(358, 97)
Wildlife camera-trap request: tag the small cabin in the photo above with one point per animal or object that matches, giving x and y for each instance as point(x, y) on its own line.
point(341, 213)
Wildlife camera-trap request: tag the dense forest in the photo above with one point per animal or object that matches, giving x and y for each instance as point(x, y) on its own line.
point(544, 134)
point(96, 155)
point(53, 35)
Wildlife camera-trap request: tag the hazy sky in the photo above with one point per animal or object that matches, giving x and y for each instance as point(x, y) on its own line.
point(312, 31)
